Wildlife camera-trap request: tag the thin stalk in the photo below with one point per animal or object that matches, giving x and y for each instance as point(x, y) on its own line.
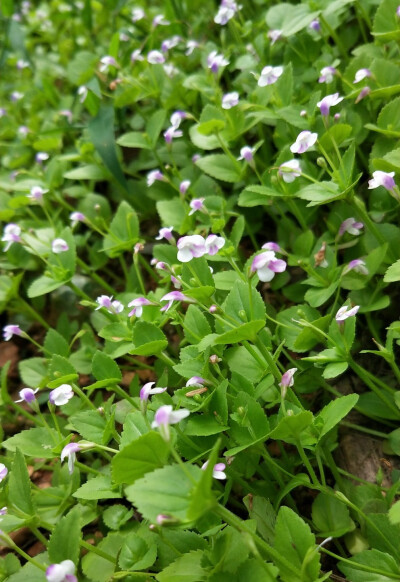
point(359, 566)
point(307, 463)
point(95, 276)
point(269, 359)
point(33, 313)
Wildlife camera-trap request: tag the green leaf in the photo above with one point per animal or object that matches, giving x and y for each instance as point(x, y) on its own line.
point(44, 285)
point(220, 166)
point(33, 372)
point(394, 513)
point(187, 568)
point(134, 139)
point(226, 280)
point(123, 232)
point(19, 487)
point(321, 193)
point(116, 516)
point(239, 306)
point(291, 330)
point(34, 442)
point(100, 569)
point(203, 425)
point(331, 516)
point(146, 453)
point(393, 273)
point(246, 331)
point(166, 491)
point(258, 195)
point(104, 367)
point(290, 429)
point(64, 541)
point(88, 172)
point(55, 343)
point(385, 26)
point(134, 426)
point(30, 571)
point(334, 370)
point(172, 213)
point(101, 133)
point(371, 560)
point(155, 125)
point(148, 339)
point(196, 325)
point(289, 18)
point(389, 117)
point(294, 539)
point(90, 424)
point(249, 422)
point(136, 553)
point(97, 488)
point(262, 511)
point(317, 297)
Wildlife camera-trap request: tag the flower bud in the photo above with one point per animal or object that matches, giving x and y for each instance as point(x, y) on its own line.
point(321, 162)
point(242, 314)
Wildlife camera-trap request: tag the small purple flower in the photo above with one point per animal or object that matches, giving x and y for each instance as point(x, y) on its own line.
point(398, 11)
point(170, 43)
point(352, 226)
point(196, 382)
point(21, 64)
point(196, 204)
point(165, 416)
point(230, 100)
point(190, 46)
point(216, 61)
point(184, 186)
point(213, 244)
point(304, 141)
point(155, 58)
point(327, 102)
point(327, 74)
point(59, 245)
point(213, 309)
point(165, 232)
point(357, 265)
point(177, 117)
point(41, 157)
point(113, 307)
point(147, 391)
point(267, 265)
point(246, 153)
point(274, 35)
point(69, 452)
point(76, 217)
point(11, 234)
point(10, 330)
point(3, 511)
point(23, 130)
point(226, 11)
point(107, 62)
point(290, 170)
point(60, 396)
point(136, 55)
point(362, 94)
point(218, 470)
point(362, 74)
point(63, 572)
point(137, 14)
point(83, 93)
point(137, 305)
point(27, 395)
point(287, 379)
point(171, 133)
point(16, 96)
point(384, 179)
point(344, 313)
point(174, 296)
point(160, 20)
point(3, 472)
point(315, 25)
point(36, 193)
point(269, 76)
point(272, 246)
point(3, 112)
point(176, 283)
point(190, 247)
point(154, 176)
point(161, 266)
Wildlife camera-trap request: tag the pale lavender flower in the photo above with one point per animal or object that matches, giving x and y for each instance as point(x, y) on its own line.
point(190, 247)
point(165, 232)
point(41, 157)
point(177, 117)
point(76, 217)
point(23, 130)
point(226, 11)
point(3, 511)
point(362, 74)
point(165, 416)
point(137, 305)
point(62, 572)
point(327, 102)
point(384, 179)
point(315, 25)
point(147, 391)
point(83, 93)
point(16, 96)
point(344, 313)
point(61, 395)
point(196, 204)
point(11, 234)
point(174, 296)
point(3, 472)
point(274, 35)
point(214, 243)
point(160, 20)
point(176, 283)
point(196, 158)
point(269, 75)
point(155, 58)
point(171, 133)
point(230, 100)
point(357, 265)
point(27, 395)
point(190, 46)
point(398, 11)
point(246, 153)
point(36, 193)
point(362, 94)
point(107, 62)
point(218, 470)
point(154, 176)
point(290, 170)
point(272, 246)
point(304, 141)
point(287, 379)
point(136, 55)
point(170, 43)
point(170, 70)
point(107, 302)
point(66, 113)
point(215, 61)
point(21, 64)
point(69, 453)
point(3, 112)
point(196, 382)
point(137, 14)
point(10, 330)
point(337, 116)
point(59, 245)
point(352, 226)
point(267, 265)
point(184, 186)
point(213, 309)
point(327, 74)
point(161, 266)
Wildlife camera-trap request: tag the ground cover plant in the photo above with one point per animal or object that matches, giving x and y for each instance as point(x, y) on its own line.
point(199, 267)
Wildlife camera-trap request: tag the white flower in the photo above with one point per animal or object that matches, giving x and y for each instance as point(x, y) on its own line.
point(274, 35)
point(218, 470)
point(304, 141)
point(10, 330)
point(69, 452)
point(287, 379)
point(137, 305)
point(160, 20)
point(11, 234)
point(113, 307)
point(165, 232)
point(171, 133)
point(36, 193)
point(190, 247)
point(136, 55)
point(60, 396)
point(184, 186)
point(216, 61)
point(267, 265)
point(165, 416)
point(59, 245)
point(357, 265)
point(327, 102)
point(196, 204)
point(290, 170)
point(137, 14)
point(246, 153)
point(154, 176)
point(214, 243)
point(3, 472)
point(190, 46)
point(63, 572)
point(147, 390)
point(344, 313)
point(76, 217)
point(384, 179)
point(83, 93)
point(230, 100)
point(362, 74)
point(27, 395)
point(352, 226)
point(327, 74)
point(155, 58)
point(269, 75)
point(107, 62)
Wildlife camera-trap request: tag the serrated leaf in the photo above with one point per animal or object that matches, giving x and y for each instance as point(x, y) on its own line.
point(145, 454)
point(19, 487)
point(34, 442)
point(64, 541)
point(220, 166)
point(148, 339)
point(99, 487)
point(104, 367)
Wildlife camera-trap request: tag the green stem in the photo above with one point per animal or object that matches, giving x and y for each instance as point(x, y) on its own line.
point(83, 397)
point(370, 431)
point(138, 272)
point(96, 550)
point(307, 463)
point(273, 368)
point(33, 313)
point(95, 276)
point(359, 566)
point(379, 393)
point(38, 534)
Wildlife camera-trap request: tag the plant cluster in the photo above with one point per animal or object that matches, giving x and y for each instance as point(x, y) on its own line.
point(200, 253)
